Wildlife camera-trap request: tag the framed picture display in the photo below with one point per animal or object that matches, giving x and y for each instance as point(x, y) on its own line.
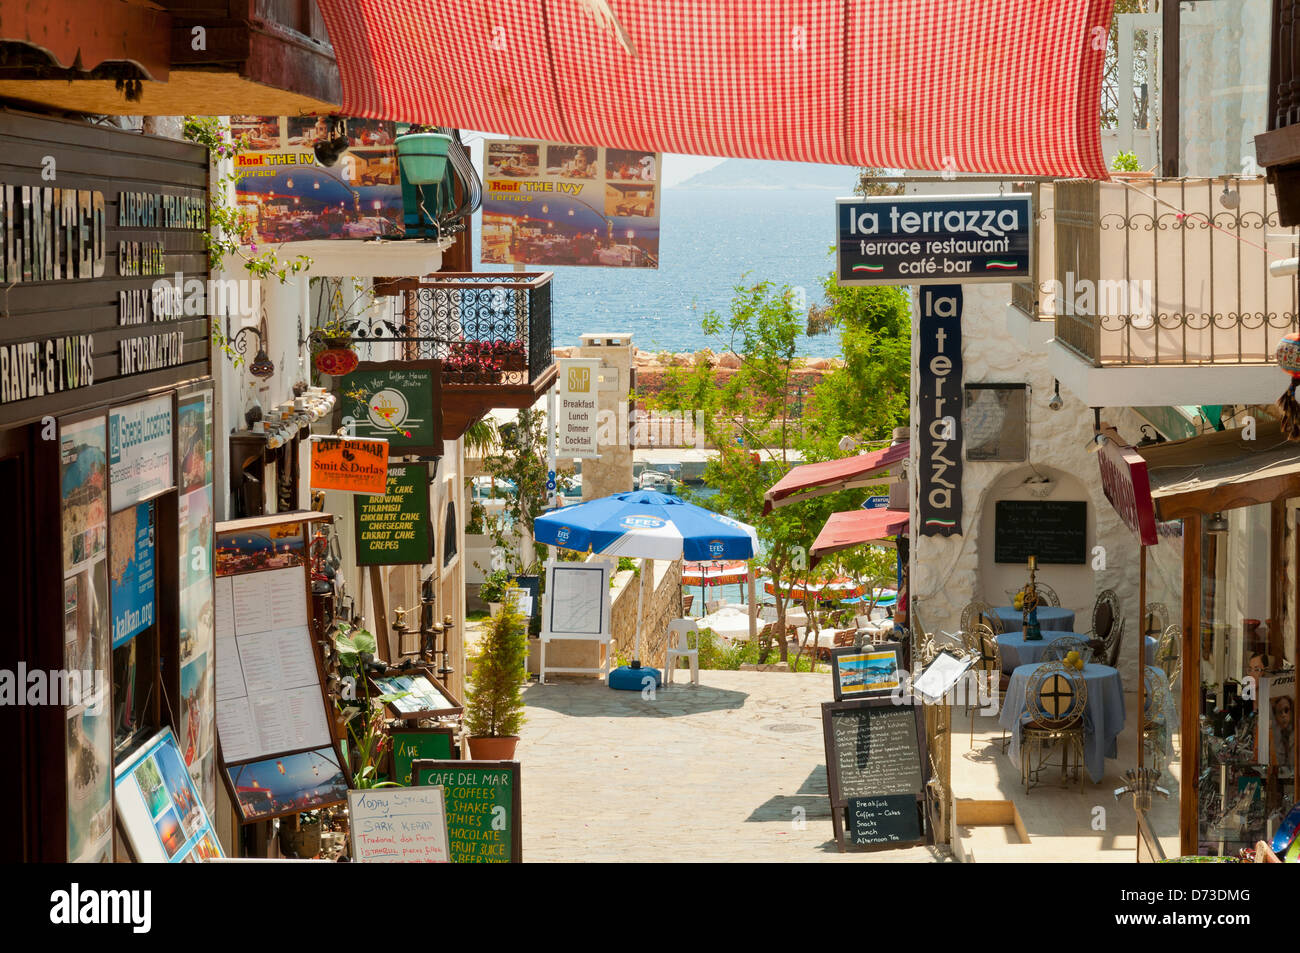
point(275, 725)
point(868, 671)
point(420, 694)
point(160, 808)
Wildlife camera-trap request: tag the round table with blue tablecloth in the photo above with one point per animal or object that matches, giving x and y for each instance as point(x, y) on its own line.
point(1103, 715)
point(1050, 618)
point(1015, 651)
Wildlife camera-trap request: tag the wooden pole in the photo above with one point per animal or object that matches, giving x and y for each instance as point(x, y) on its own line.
point(382, 634)
point(753, 603)
point(1191, 683)
point(1170, 65)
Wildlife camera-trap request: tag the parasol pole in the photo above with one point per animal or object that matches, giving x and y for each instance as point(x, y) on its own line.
point(753, 606)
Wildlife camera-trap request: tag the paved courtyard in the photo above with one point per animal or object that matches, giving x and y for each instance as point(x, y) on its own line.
point(729, 770)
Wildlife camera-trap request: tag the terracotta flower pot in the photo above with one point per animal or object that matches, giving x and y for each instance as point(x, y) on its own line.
point(493, 749)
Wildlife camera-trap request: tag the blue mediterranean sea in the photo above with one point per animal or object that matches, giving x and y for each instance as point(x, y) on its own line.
point(710, 241)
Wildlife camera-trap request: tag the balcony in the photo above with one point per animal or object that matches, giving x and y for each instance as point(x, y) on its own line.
point(492, 331)
point(1147, 275)
point(1278, 149)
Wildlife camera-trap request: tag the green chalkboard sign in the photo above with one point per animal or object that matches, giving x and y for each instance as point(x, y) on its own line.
point(411, 744)
point(400, 401)
point(483, 808)
point(394, 529)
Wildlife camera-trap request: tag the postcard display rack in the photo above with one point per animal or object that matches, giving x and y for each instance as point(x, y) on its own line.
point(279, 753)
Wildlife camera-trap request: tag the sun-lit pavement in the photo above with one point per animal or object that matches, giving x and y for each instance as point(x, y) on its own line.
point(729, 770)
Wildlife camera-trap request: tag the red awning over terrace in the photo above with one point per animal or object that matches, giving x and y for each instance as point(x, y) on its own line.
point(831, 476)
point(856, 527)
point(995, 86)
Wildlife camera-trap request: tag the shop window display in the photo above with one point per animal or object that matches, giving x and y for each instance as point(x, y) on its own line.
point(1246, 774)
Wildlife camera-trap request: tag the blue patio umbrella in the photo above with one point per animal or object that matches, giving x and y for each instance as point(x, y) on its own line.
point(650, 525)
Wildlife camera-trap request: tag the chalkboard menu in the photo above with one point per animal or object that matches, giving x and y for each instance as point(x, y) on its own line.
point(483, 808)
point(893, 819)
point(394, 529)
point(875, 761)
point(1056, 531)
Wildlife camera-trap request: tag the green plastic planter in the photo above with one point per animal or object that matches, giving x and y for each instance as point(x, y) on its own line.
point(423, 157)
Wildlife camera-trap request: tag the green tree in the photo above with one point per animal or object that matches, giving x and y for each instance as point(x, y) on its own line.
point(745, 415)
point(496, 707)
point(518, 454)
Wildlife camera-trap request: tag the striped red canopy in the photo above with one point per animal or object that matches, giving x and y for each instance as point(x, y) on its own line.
point(995, 86)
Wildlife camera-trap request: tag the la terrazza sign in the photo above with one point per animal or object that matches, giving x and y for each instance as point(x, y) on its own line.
point(1128, 487)
point(937, 239)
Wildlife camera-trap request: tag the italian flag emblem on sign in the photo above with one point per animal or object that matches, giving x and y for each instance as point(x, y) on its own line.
point(994, 263)
point(872, 269)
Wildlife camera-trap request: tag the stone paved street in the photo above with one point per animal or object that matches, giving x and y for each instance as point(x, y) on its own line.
point(716, 772)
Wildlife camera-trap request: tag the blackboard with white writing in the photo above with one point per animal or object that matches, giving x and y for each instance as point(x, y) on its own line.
point(893, 819)
point(875, 752)
point(1056, 531)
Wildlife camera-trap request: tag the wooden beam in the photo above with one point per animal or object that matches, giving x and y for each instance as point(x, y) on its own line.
point(1190, 728)
point(1170, 61)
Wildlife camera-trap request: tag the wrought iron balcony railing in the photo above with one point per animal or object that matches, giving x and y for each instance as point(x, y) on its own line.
point(488, 329)
point(1165, 271)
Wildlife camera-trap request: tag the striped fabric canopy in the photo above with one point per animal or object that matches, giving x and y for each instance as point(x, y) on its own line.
point(994, 86)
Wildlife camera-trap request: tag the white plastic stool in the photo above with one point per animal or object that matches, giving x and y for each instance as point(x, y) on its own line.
point(689, 633)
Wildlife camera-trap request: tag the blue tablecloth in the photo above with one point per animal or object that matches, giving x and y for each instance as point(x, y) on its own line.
point(1015, 651)
point(1103, 715)
point(1050, 618)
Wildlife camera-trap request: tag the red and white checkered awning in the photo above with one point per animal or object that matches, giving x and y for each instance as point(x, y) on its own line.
point(995, 86)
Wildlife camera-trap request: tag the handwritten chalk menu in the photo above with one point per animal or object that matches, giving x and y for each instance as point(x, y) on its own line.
point(874, 749)
point(393, 529)
point(268, 686)
point(1056, 531)
point(893, 819)
point(399, 825)
point(483, 808)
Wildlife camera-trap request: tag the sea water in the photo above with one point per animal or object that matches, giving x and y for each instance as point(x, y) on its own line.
point(710, 241)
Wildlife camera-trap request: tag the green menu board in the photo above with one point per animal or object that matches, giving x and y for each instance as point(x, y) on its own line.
point(394, 529)
point(400, 401)
point(412, 744)
point(483, 808)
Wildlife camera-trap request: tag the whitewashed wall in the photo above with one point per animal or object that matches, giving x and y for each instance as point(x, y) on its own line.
point(948, 572)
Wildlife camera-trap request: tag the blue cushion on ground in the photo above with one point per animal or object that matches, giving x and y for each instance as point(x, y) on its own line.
point(630, 679)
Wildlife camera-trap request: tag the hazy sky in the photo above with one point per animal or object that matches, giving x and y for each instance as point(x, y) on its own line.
point(676, 168)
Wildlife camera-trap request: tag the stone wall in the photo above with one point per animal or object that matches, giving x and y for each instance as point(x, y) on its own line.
point(662, 586)
point(949, 572)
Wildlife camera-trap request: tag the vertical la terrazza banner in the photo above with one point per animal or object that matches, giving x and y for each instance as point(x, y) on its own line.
point(546, 203)
point(940, 396)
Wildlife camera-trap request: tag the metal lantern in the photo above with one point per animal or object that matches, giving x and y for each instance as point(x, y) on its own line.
point(337, 361)
point(1288, 358)
point(1288, 353)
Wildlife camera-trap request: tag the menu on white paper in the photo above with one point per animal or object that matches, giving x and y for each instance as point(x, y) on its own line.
point(268, 684)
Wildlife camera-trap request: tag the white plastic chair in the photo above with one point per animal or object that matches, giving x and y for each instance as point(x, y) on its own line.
point(688, 648)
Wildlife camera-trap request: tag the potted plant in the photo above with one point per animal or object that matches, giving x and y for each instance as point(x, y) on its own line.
point(358, 716)
point(1125, 166)
point(493, 589)
point(494, 711)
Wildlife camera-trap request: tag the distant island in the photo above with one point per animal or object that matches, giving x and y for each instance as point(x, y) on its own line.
point(752, 174)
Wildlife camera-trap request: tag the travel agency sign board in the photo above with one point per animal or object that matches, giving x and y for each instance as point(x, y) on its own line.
point(933, 239)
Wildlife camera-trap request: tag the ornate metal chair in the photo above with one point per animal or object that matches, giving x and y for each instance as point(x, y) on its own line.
point(982, 644)
point(1155, 721)
point(1114, 642)
point(1058, 649)
point(977, 612)
point(1046, 594)
point(1169, 653)
point(1055, 699)
point(1157, 619)
point(1105, 614)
